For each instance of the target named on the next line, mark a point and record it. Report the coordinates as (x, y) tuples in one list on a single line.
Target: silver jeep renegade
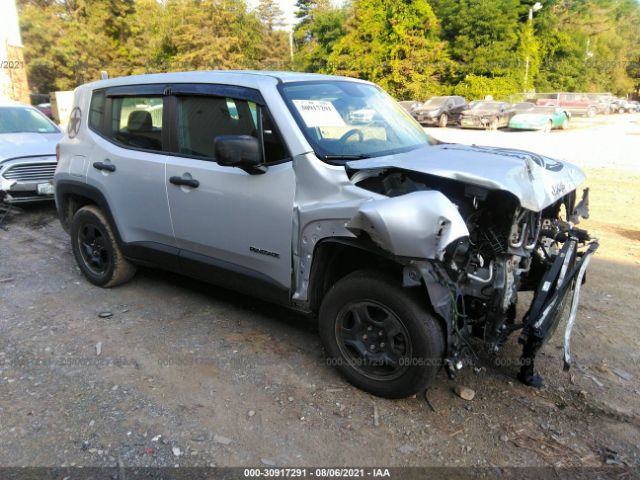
[(322, 194)]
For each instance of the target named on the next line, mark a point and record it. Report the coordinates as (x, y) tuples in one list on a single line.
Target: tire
[(96, 250), (493, 125), (548, 127), (565, 124), (591, 112), (413, 336), (443, 120)]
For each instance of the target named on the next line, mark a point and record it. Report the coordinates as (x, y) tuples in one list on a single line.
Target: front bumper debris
[(565, 275)]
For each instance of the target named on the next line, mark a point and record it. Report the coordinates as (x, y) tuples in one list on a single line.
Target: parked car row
[(542, 111), (443, 111)]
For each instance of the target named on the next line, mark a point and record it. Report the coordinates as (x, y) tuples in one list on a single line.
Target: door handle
[(187, 182), (109, 167)]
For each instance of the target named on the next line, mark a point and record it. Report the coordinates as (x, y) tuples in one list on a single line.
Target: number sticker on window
[(318, 113)]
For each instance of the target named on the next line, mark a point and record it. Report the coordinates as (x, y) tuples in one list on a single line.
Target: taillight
[(57, 152)]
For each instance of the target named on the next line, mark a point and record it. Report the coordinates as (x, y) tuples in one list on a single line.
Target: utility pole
[(536, 7), (291, 43)]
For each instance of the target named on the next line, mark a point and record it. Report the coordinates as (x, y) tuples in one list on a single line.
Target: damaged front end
[(476, 241)]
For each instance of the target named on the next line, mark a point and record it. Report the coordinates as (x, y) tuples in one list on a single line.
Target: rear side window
[(137, 122), (203, 118), (96, 111)]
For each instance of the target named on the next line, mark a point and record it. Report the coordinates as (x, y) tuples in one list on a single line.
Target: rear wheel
[(591, 112), (443, 120), (379, 335), (547, 128), (96, 249), (565, 124), (493, 125)]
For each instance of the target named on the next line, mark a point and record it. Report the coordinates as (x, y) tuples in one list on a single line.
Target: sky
[(289, 8)]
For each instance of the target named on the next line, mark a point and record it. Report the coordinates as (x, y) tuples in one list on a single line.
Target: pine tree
[(270, 14)]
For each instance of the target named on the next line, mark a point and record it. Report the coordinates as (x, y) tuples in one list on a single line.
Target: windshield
[(349, 120), (485, 106), (24, 120), (435, 102)]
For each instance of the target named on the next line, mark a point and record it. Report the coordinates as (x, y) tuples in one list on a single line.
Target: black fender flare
[(67, 188), (321, 263)]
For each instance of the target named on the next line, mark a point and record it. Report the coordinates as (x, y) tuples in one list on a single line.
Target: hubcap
[(373, 340), (91, 240)]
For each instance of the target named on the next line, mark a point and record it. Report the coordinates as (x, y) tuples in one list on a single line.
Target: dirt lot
[(190, 374)]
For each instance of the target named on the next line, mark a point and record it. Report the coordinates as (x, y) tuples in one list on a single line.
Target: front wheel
[(443, 120), (379, 335)]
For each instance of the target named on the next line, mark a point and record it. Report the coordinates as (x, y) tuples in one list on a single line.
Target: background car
[(487, 114), (573, 102), (410, 105), (440, 111), (362, 116), (46, 109), (540, 118), (28, 142)]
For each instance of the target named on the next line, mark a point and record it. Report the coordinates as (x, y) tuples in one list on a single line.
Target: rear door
[(127, 163), (232, 227)]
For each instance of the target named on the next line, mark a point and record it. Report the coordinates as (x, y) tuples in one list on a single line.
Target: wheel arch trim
[(65, 189)]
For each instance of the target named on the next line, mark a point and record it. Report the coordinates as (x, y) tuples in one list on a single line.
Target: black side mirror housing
[(242, 151)]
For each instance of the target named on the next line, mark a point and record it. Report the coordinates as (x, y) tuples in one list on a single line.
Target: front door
[(232, 227)]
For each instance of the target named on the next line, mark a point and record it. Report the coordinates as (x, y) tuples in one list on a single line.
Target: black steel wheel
[(381, 336), (373, 339), (96, 250), (95, 255)]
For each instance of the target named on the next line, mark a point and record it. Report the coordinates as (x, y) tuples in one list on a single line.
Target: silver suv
[(405, 248)]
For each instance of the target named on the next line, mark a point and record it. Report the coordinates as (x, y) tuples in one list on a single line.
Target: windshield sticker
[(318, 113)]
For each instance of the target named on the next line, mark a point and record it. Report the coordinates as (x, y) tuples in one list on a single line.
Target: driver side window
[(203, 118)]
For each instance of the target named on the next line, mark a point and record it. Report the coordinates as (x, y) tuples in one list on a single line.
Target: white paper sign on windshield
[(318, 113)]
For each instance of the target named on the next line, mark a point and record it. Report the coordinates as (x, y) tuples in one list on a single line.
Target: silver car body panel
[(416, 225), (536, 181)]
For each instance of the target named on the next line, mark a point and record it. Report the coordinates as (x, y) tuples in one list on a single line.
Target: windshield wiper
[(345, 157)]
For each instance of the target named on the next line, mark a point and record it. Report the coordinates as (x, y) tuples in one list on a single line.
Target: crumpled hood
[(15, 145), (537, 181)]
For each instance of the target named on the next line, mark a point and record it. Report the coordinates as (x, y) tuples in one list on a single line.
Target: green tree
[(270, 14), (315, 40), (392, 43)]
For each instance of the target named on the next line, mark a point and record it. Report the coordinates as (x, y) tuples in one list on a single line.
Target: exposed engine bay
[(474, 276)]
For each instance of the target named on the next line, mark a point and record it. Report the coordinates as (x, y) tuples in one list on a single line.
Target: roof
[(245, 78)]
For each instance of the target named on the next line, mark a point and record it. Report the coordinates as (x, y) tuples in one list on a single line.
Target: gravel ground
[(168, 371)]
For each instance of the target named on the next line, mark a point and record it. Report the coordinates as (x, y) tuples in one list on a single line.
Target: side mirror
[(242, 151)]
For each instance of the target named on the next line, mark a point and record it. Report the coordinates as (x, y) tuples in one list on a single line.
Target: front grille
[(31, 172)]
